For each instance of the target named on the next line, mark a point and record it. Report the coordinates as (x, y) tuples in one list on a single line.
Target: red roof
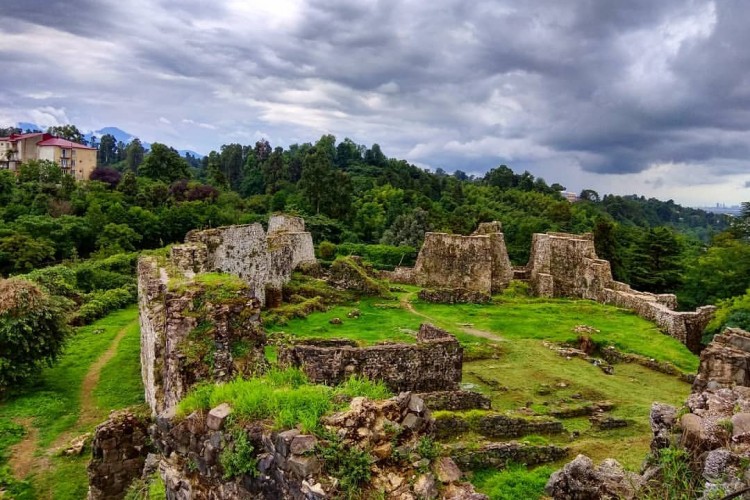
[(63, 143), (17, 137)]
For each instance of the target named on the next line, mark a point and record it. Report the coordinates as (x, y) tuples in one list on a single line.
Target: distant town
[(721, 208)]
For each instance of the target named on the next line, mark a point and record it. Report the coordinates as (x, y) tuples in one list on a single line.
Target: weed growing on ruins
[(427, 448), (357, 385), (239, 458), (677, 482), (152, 488), (512, 483), (349, 464)]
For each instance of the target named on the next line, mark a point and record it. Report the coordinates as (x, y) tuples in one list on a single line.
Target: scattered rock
[(77, 445), (580, 480), (446, 470), (335, 321), (354, 313), (425, 487)]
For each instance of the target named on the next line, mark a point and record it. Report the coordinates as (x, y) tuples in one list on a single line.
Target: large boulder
[(580, 480)]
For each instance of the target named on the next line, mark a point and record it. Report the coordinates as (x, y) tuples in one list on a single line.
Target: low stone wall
[(454, 296), (499, 455), (288, 463), (456, 400), (432, 364), (192, 334), (494, 425), (119, 451)]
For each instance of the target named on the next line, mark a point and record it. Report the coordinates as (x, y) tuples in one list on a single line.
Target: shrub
[(239, 459), (99, 304), (380, 256), (327, 250), (349, 464), (32, 330)]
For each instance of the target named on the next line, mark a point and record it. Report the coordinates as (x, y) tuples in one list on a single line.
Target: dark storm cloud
[(82, 17), (561, 88)]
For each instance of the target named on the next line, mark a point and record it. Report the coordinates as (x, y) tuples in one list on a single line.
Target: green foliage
[(349, 464), (380, 256), (721, 272), (678, 481), (428, 448), (326, 250), (164, 164), (239, 458), (100, 303), (734, 312), (152, 488), (32, 331)]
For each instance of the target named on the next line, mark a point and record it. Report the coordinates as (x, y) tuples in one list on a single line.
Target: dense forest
[(354, 200)]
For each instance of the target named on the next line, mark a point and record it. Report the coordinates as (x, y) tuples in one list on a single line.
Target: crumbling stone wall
[(725, 362), (432, 364), (566, 265), (119, 451), (288, 463), (478, 262), (495, 425), (264, 260), (193, 333)]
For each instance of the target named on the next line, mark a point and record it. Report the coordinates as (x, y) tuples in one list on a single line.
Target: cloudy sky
[(643, 96)]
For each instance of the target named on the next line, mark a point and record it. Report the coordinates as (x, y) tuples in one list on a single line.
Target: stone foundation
[(432, 364), (499, 455), (495, 425), (456, 400)]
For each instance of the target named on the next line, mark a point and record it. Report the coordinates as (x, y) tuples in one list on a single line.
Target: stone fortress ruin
[(197, 325), (560, 265)]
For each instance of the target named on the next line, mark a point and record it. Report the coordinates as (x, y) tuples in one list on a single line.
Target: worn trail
[(406, 304)]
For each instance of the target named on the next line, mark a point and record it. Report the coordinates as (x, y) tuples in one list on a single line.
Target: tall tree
[(107, 153), (164, 163), (134, 154), (69, 132)]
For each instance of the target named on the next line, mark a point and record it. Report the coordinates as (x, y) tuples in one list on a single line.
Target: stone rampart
[(566, 265), (191, 332), (432, 364)]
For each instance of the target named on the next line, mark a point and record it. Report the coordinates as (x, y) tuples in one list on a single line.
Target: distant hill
[(119, 135)]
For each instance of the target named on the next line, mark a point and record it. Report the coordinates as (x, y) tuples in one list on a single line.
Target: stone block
[(303, 444), (284, 441), (303, 466), (218, 416)]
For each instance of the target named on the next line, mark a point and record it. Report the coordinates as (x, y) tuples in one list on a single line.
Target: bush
[(99, 304), (327, 250), (380, 256), (32, 330)]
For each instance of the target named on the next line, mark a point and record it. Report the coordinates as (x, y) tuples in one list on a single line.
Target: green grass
[(512, 483), (554, 320), (120, 382), (284, 396), (381, 320), (52, 402)]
